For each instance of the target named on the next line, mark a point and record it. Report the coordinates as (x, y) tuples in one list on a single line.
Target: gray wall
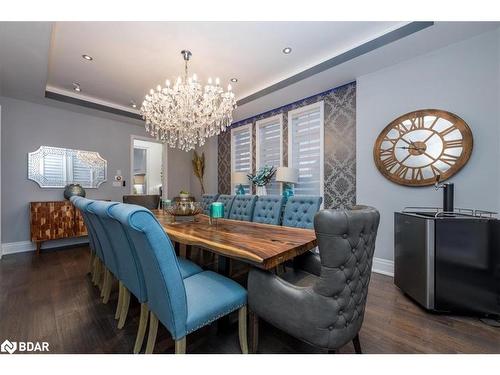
[(462, 78), (27, 126)]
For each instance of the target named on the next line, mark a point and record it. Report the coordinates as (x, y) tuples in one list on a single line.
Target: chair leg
[(357, 344), (141, 331), (102, 271), (94, 270), (97, 271), (254, 331), (153, 330), (125, 306), (91, 262), (120, 301), (242, 329), (108, 284), (180, 346)]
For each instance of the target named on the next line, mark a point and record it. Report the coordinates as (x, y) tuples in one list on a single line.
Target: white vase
[(261, 190)]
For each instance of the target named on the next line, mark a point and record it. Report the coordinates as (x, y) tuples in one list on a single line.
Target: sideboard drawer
[(55, 220)]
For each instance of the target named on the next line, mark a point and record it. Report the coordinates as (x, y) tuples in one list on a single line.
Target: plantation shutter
[(306, 128), (269, 145), (242, 153)]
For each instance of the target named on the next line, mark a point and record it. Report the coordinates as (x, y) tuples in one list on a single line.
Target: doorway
[(146, 166)]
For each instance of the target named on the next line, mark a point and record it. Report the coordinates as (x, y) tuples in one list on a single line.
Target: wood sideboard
[(55, 220)]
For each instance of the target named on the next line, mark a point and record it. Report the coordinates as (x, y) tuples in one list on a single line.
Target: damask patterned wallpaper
[(340, 144)]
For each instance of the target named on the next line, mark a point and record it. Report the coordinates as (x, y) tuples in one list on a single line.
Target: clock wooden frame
[(417, 178)]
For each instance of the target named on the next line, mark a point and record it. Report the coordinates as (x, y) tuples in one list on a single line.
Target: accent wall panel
[(339, 140)]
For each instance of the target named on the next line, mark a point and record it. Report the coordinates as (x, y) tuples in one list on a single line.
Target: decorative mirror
[(418, 146), (55, 167)]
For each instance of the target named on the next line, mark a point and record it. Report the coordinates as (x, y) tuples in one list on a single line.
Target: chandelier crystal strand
[(185, 114)]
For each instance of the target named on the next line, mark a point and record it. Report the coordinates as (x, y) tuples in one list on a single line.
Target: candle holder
[(216, 212)]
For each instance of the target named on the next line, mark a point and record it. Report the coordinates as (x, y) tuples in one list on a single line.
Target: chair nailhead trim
[(215, 318)]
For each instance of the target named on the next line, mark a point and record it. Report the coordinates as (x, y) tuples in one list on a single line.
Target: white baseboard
[(383, 266), (24, 246)]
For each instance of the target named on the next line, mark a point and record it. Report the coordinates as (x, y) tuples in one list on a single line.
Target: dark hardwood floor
[(50, 298)]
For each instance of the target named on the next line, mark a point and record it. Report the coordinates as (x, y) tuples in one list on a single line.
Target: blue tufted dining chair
[(90, 235), (207, 200), (131, 278), (300, 210), (98, 261), (268, 209), (243, 207), (111, 261), (182, 305), (227, 201)]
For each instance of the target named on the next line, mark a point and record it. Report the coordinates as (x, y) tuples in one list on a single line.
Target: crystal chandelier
[(185, 114)]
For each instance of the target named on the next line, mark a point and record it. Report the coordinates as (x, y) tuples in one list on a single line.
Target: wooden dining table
[(261, 245)]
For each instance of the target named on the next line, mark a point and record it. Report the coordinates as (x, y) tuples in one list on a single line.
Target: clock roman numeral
[(389, 162), (417, 123), (447, 131), (435, 171), (434, 122), (449, 159), (401, 129), (390, 140), (452, 144), (386, 152), (416, 174), (401, 171)]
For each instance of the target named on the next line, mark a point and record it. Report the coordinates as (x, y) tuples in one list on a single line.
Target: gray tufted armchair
[(322, 300)]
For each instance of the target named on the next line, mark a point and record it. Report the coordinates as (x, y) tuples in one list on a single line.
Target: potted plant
[(184, 194)]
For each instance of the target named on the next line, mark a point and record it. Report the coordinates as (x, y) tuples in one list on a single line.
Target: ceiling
[(132, 57)]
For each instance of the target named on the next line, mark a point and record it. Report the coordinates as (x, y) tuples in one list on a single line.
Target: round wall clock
[(418, 146)]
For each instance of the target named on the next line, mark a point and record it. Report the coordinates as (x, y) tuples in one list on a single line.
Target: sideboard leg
[(38, 247)]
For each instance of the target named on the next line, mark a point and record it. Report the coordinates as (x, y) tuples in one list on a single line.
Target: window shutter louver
[(242, 153), (306, 129), (269, 148)]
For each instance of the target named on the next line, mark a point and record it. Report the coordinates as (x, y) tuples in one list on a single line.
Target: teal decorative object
[(241, 190), (73, 189), (217, 210), (287, 191)]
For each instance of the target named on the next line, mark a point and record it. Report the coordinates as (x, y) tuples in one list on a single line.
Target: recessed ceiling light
[(76, 87), (287, 50), (132, 104), (234, 79), (88, 57)]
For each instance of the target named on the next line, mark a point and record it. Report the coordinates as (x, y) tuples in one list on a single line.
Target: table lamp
[(288, 176), (241, 179)]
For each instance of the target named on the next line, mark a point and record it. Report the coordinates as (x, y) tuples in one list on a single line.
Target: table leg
[(223, 265), (223, 268), (183, 250), (176, 247)]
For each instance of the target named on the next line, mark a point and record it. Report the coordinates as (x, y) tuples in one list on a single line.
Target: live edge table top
[(261, 245)]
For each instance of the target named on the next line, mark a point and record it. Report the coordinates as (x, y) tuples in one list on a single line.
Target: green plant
[(184, 192), (263, 175)]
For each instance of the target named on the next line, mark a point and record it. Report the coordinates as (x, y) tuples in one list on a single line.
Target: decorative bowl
[(184, 208), (73, 189)]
